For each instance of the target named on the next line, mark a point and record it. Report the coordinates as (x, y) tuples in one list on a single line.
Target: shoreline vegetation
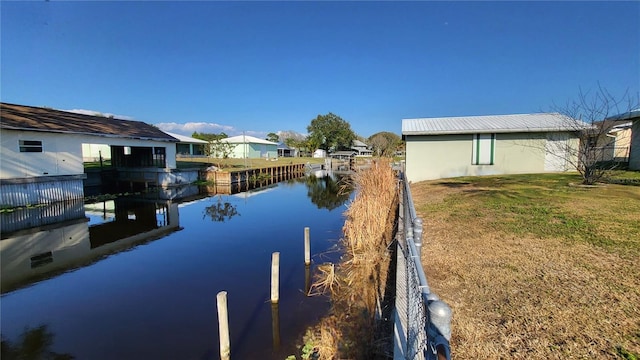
[(356, 283), (534, 266)]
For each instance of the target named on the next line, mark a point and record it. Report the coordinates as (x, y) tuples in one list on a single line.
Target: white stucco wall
[(61, 153), (254, 151), (431, 157), (634, 153)]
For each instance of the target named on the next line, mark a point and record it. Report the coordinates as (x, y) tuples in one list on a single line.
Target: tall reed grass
[(357, 283)]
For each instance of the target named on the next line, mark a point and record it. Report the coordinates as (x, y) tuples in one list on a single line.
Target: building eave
[(172, 140), (489, 131)]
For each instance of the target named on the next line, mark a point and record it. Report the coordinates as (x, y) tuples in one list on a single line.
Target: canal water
[(136, 277)]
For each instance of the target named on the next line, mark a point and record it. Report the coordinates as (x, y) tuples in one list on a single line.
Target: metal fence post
[(440, 314), (426, 321), (417, 234)]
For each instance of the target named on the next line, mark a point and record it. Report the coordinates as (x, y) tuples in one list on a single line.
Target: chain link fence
[(423, 321)]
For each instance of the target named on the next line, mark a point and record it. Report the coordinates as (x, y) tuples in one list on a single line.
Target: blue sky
[(259, 67)]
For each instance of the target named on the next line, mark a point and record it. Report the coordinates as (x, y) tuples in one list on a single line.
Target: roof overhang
[(172, 140), (491, 131)]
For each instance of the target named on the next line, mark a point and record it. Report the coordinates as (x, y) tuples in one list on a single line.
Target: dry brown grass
[(533, 267), (355, 283)]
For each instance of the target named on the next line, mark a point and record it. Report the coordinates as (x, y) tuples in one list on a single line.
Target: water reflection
[(32, 344), (41, 242), (326, 191), (220, 211), (40, 252), (157, 300)]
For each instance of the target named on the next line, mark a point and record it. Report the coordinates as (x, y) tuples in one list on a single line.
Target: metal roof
[(540, 122), (30, 118), (283, 146), (635, 113), (186, 139), (242, 139)]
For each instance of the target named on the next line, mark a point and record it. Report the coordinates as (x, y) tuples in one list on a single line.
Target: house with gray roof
[(448, 147), (251, 147), (631, 118), (42, 151), (361, 148)]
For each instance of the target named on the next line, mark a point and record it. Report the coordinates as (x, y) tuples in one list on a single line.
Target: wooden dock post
[(275, 326), (307, 279), (275, 277), (307, 247), (223, 326)]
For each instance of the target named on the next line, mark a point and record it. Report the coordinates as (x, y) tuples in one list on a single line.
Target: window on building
[(30, 146), (159, 157), (483, 150)]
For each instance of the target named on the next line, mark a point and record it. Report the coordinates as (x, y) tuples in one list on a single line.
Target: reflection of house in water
[(41, 249), (42, 242), (253, 192)]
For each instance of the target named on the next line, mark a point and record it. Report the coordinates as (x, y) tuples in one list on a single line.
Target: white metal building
[(245, 146), (488, 145)]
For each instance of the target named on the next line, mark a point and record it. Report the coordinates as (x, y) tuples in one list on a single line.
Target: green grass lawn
[(535, 266), (553, 206)]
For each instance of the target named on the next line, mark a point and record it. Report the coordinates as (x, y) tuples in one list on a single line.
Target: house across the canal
[(188, 146), (42, 152), (633, 119), (250, 147)]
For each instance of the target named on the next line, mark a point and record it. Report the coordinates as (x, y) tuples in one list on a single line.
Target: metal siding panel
[(41, 192), (490, 123)]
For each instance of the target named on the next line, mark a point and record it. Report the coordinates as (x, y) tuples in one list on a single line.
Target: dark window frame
[(30, 146)]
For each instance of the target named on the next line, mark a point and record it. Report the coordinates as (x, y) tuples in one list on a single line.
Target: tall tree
[(209, 136), (384, 143), (273, 137), (290, 137), (293, 140), (330, 132), (214, 148)]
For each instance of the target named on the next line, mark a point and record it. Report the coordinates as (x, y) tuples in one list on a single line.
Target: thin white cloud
[(191, 127), (94, 113)]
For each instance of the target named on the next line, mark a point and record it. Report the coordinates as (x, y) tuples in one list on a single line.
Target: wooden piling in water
[(275, 326), (275, 277), (307, 247), (307, 279), (223, 326)]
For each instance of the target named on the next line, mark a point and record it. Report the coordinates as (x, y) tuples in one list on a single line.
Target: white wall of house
[(254, 151), (634, 154), (431, 157), (61, 153), (319, 153), (240, 151)]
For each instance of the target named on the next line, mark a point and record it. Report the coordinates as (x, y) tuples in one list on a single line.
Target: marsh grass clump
[(357, 283)]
